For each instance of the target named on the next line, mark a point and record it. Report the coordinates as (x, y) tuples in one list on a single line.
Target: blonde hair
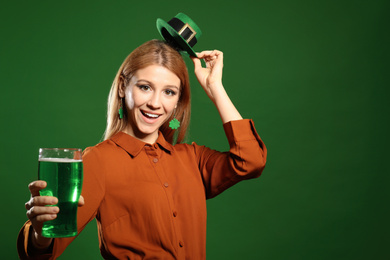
[(153, 52)]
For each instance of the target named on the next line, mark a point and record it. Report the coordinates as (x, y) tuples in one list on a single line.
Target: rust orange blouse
[(150, 200)]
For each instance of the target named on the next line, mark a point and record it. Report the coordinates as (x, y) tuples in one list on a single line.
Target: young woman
[(148, 194)]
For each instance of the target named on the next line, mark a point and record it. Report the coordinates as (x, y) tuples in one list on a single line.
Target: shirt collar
[(134, 146)]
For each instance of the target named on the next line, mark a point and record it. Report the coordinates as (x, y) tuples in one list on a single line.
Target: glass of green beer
[(62, 169)]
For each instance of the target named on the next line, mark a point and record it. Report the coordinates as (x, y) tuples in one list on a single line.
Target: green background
[(313, 75)]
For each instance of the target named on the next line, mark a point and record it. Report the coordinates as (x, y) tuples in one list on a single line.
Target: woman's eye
[(144, 87), (170, 92)]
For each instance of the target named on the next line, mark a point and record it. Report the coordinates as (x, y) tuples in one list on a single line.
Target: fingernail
[(54, 201), (53, 216), (55, 209)]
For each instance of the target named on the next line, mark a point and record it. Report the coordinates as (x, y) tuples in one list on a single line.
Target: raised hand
[(210, 77)]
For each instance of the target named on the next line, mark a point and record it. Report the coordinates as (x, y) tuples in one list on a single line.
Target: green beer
[(64, 179)]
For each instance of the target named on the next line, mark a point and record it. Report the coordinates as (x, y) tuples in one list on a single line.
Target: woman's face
[(150, 98)]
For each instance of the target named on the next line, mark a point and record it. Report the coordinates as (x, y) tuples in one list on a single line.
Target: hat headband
[(184, 30)]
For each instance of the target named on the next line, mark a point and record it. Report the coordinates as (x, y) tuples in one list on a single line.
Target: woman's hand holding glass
[(38, 212)]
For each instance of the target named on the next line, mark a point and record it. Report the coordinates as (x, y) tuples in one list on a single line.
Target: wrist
[(219, 94), (224, 105), (36, 247), (39, 242)]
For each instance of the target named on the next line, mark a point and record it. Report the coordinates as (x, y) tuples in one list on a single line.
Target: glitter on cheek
[(129, 98)]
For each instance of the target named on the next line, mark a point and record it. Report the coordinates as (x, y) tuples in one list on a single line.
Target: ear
[(121, 90)]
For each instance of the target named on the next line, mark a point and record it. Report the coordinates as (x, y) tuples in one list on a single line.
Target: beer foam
[(59, 160)]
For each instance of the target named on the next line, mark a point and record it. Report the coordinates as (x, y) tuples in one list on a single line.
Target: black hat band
[(184, 30)]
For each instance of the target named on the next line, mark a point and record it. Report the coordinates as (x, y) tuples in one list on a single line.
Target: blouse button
[(175, 213), (155, 160), (181, 244), (166, 184)]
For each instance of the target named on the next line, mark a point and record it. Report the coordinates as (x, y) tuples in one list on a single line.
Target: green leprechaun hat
[(181, 31)]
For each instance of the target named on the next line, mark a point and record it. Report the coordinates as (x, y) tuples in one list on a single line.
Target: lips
[(149, 115)]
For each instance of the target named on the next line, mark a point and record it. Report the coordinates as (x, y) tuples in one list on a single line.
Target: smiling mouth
[(149, 115)]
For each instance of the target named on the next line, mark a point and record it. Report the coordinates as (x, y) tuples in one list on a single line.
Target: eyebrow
[(150, 83)]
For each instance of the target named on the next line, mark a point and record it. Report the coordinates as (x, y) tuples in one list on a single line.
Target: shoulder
[(100, 150), (193, 148), (185, 146)]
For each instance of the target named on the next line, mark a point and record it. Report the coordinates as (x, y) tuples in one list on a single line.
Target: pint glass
[(62, 169)]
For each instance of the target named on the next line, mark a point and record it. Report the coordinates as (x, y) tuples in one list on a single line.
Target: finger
[(219, 54), (209, 54), (209, 63), (42, 218), (36, 211), (217, 58), (81, 201), (40, 201), (211, 58), (36, 186), (215, 55), (197, 63), (204, 54)]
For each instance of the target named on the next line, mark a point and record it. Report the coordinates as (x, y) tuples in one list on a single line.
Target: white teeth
[(151, 115)]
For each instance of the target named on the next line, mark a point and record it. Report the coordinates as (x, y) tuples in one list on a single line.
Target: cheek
[(129, 98), (171, 104)]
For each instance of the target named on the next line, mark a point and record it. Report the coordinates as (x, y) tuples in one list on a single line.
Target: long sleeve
[(92, 191), (246, 158)]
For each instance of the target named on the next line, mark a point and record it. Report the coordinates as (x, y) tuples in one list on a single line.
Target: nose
[(154, 101)]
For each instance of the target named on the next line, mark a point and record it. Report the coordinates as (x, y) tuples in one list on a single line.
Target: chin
[(148, 130)]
